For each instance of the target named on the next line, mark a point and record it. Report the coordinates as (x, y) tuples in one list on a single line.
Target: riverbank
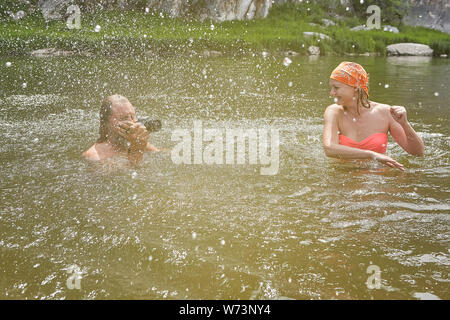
[(136, 32)]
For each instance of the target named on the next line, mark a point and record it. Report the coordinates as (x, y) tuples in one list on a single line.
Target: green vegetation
[(135, 31)]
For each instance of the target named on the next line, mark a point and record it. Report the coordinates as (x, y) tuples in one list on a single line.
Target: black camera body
[(150, 124)]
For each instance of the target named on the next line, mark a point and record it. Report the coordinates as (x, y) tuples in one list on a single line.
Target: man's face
[(121, 112)]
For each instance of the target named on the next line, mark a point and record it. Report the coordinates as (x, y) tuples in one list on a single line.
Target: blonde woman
[(357, 128)]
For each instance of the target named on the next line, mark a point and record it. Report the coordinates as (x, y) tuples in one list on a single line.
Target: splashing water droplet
[(386, 86), (8, 64), (222, 242), (287, 62), (97, 28)]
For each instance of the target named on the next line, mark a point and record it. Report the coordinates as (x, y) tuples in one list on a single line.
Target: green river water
[(208, 231)]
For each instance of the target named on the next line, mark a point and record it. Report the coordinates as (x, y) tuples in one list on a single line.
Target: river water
[(314, 230)]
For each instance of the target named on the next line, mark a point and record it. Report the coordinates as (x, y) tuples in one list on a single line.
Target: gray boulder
[(433, 14), (366, 28), (290, 53), (218, 10), (211, 53), (328, 22), (360, 28), (53, 9), (390, 29), (316, 34), (51, 52), (313, 50), (409, 49)]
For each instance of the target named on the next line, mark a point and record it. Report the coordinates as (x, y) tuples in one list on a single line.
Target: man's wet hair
[(105, 115)]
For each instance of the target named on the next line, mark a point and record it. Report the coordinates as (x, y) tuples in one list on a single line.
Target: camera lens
[(150, 124)]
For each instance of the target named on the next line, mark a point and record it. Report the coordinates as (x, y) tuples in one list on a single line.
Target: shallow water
[(218, 231)]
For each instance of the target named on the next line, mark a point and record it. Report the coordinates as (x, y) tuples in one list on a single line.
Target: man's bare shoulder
[(92, 154)]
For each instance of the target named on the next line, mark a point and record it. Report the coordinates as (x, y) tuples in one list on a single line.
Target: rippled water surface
[(218, 231)]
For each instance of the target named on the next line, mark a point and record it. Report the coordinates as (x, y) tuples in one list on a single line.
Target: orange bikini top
[(376, 142)]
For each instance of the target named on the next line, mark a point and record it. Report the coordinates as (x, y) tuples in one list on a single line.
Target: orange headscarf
[(352, 74)]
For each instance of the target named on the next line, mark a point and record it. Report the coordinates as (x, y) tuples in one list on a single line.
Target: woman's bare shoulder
[(334, 109), (382, 107)]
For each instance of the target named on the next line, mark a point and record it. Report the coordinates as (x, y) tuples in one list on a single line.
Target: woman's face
[(344, 93)]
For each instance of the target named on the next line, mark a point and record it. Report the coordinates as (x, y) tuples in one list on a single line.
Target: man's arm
[(151, 148)]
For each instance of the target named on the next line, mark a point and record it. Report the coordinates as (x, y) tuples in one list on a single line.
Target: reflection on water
[(217, 231)]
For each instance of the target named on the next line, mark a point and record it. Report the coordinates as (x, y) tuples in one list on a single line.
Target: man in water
[(120, 134)]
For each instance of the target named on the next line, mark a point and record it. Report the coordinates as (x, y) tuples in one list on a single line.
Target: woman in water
[(356, 128)]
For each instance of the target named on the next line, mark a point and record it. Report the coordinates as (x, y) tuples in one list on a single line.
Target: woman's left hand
[(399, 114)]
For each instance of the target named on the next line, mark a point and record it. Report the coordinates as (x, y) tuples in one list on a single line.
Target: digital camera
[(150, 124)]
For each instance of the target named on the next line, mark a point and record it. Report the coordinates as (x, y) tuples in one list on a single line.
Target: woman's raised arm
[(402, 132)]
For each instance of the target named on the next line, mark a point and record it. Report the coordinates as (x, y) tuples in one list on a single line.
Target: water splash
[(287, 62)]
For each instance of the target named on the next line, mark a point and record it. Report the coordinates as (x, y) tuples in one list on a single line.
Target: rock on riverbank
[(409, 49)]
